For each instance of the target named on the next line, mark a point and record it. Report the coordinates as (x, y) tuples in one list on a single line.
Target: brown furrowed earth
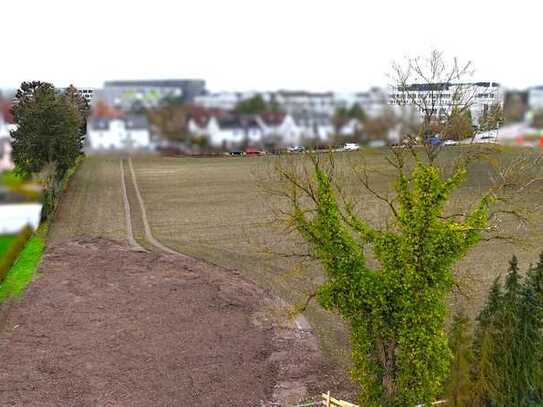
[(214, 208), (107, 326)]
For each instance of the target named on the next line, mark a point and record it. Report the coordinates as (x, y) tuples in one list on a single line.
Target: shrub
[(508, 345), (396, 309)]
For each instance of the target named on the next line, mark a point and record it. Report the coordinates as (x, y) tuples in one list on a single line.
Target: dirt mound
[(106, 326)]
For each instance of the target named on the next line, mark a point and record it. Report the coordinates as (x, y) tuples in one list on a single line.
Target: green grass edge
[(24, 268), (26, 265)]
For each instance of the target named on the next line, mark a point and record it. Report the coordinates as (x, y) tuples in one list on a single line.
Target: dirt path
[(109, 324)]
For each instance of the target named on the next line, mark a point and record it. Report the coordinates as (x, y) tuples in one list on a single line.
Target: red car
[(253, 151)]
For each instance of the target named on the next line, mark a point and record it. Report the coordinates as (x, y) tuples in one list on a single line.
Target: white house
[(125, 133), (314, 126), (229, 130)]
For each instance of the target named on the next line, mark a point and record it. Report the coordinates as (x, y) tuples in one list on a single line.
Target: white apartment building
[(221, 100), (439, 99), (302, 102), (373, 102), (291, 102)]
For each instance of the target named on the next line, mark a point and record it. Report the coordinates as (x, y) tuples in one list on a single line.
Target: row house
[(226, 129)]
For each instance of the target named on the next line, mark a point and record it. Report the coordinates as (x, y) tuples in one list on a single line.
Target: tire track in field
[(300, 321), (146, 226), (128, 215)]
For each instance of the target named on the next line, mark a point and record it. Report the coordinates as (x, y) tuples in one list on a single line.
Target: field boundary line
[(147, 228), (128, 214)]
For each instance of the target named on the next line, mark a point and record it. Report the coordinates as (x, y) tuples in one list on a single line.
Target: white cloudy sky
[(252, 44)]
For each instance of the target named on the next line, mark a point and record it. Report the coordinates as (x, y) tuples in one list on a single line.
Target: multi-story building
[(373, 102), (149, 93), (439, 99), (302, 102), (222, 100)]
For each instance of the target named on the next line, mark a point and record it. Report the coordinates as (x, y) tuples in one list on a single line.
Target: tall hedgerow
[(508, 370)]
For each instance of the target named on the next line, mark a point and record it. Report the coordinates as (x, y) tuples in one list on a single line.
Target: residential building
[(222, 100), (281, 128), (439, 99), (302, 102), (314, 125), (130, 132), (374, 102), (228, 130), (126, 94)]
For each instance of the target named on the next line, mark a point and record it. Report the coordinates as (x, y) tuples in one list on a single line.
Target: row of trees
[(500, 362), (49, 138)]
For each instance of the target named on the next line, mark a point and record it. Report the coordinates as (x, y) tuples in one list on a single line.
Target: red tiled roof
[(5, 111), (273, 118)]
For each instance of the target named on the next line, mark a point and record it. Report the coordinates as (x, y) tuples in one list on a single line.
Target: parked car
[(296, 149), (450, 142), (236, 152), (487, 138), (351, 147), (253, 151), (435, 141)]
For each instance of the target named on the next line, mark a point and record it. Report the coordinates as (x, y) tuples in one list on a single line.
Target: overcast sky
[(340, 45)]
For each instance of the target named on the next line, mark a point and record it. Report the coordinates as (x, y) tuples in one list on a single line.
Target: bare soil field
[(211, 208), (107, 326), (93, 204), (215, 210), (104, 324)]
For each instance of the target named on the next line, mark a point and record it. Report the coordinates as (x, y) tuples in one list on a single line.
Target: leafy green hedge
[(24, 267), (13, 251)]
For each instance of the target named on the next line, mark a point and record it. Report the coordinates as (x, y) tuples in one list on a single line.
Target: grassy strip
[(5, 242), (26, 264), (13, 251), (24, 268)]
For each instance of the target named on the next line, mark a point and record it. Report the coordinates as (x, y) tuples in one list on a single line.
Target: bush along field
[(499, 361)]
